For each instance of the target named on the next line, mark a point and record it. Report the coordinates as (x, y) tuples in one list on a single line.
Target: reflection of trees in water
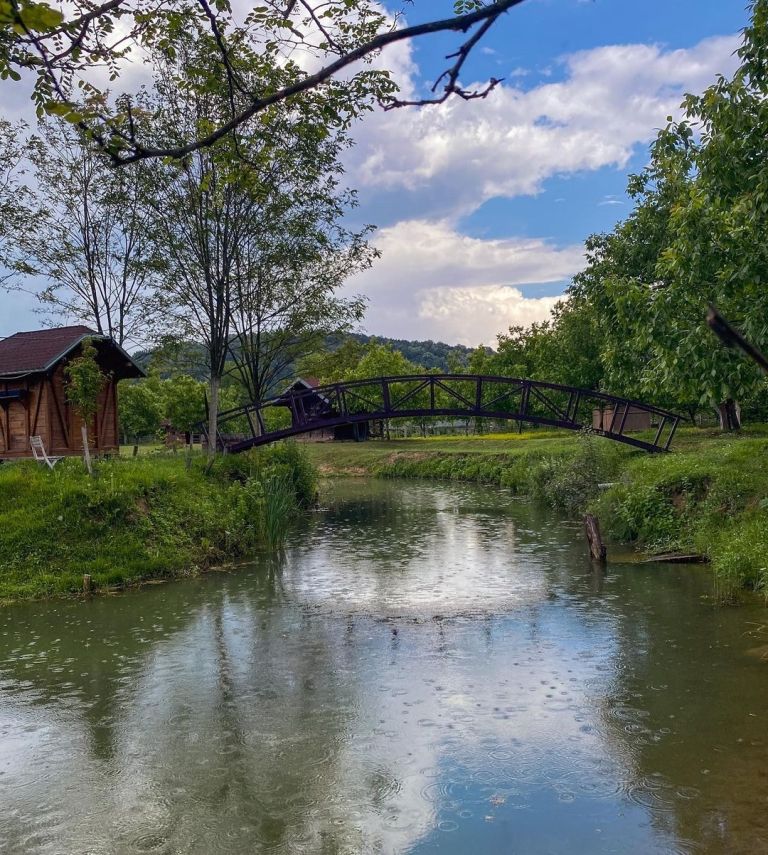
[(273, 722), (86, 652), (690, 711)]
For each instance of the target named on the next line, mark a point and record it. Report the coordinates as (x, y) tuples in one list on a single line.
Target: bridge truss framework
[(448, 395)]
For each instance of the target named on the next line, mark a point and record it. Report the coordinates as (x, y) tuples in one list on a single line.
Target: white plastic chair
[(40, 454)]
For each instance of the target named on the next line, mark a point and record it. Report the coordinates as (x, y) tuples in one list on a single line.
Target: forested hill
[(189, 358), (429, 354)]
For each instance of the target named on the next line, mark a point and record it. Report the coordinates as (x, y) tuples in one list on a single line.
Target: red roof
[(39, 350)]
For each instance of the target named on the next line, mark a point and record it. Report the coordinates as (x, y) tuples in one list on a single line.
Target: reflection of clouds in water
[(356, 728), (457, 739), (247, 720), (326, 726), (427, 555)]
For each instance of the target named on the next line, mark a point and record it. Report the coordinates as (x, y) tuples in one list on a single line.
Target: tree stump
[(596, 546)]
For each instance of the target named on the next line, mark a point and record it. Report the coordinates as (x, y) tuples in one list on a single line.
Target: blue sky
[(482, 208), (534, 169)]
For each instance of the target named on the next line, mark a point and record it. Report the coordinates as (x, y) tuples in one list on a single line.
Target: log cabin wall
[(44, 411), (21, 418)]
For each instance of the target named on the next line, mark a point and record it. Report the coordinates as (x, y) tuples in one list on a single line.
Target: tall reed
[(279, 507)]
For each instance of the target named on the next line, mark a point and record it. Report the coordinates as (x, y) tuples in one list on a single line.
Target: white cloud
[(425, 169), (463, 153), (432, 282), (475, 314)]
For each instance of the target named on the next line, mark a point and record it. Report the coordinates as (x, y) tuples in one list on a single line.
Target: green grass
[(366, 457), (709, 496), (138, 519)]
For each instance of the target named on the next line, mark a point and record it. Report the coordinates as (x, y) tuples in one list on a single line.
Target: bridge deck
[(451, 395)]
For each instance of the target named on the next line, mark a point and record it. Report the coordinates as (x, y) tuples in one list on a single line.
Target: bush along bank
[(566, 474), (142, 518), (710, 498)]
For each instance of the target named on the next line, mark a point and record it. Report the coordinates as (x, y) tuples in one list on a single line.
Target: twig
[(452, 76)]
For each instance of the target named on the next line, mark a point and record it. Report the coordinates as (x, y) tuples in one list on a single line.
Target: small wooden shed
[(310, 404), (33, 395), (313, 404), (635, 419)]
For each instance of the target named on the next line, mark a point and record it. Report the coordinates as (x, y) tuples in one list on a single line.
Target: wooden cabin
[(310, 405), (313, 404), (33, 393)]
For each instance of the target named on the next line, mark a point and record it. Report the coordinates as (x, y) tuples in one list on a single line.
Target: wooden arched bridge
[(303, 410)]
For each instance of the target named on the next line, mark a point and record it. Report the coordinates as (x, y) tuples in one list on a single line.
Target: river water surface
[(428, 668)]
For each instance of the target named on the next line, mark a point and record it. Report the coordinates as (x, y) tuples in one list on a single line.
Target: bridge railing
[(453, 395)]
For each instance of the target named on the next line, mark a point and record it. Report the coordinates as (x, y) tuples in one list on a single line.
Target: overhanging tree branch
[(116, 133), (731, 337), (487, 16)]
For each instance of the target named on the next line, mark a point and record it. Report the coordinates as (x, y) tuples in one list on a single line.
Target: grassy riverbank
[(709, 496), (141, 519)]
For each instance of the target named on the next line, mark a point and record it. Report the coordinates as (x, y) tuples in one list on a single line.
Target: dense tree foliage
[(338, 356), (141, 409), (695, 237), (176, 403)]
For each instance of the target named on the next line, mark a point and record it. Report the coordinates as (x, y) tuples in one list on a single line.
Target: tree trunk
[(729, 414), (86, 448), (213, 418)]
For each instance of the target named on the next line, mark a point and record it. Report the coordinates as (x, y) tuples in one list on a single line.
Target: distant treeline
[(189, 358)]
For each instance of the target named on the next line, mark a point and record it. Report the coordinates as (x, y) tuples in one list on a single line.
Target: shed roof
[(38, 351), (303, 384)]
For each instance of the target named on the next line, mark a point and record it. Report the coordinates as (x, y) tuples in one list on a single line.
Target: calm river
[(428, 668)]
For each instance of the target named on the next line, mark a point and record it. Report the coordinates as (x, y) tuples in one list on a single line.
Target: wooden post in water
[(596, 546), (86, 583)]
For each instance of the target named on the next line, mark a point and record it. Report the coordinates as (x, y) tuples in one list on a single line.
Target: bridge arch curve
[(449, 395)]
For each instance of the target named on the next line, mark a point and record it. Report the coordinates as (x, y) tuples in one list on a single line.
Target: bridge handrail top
[(341, 385)]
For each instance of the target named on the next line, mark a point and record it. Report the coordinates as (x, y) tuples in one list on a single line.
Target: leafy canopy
[(696, 236)]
